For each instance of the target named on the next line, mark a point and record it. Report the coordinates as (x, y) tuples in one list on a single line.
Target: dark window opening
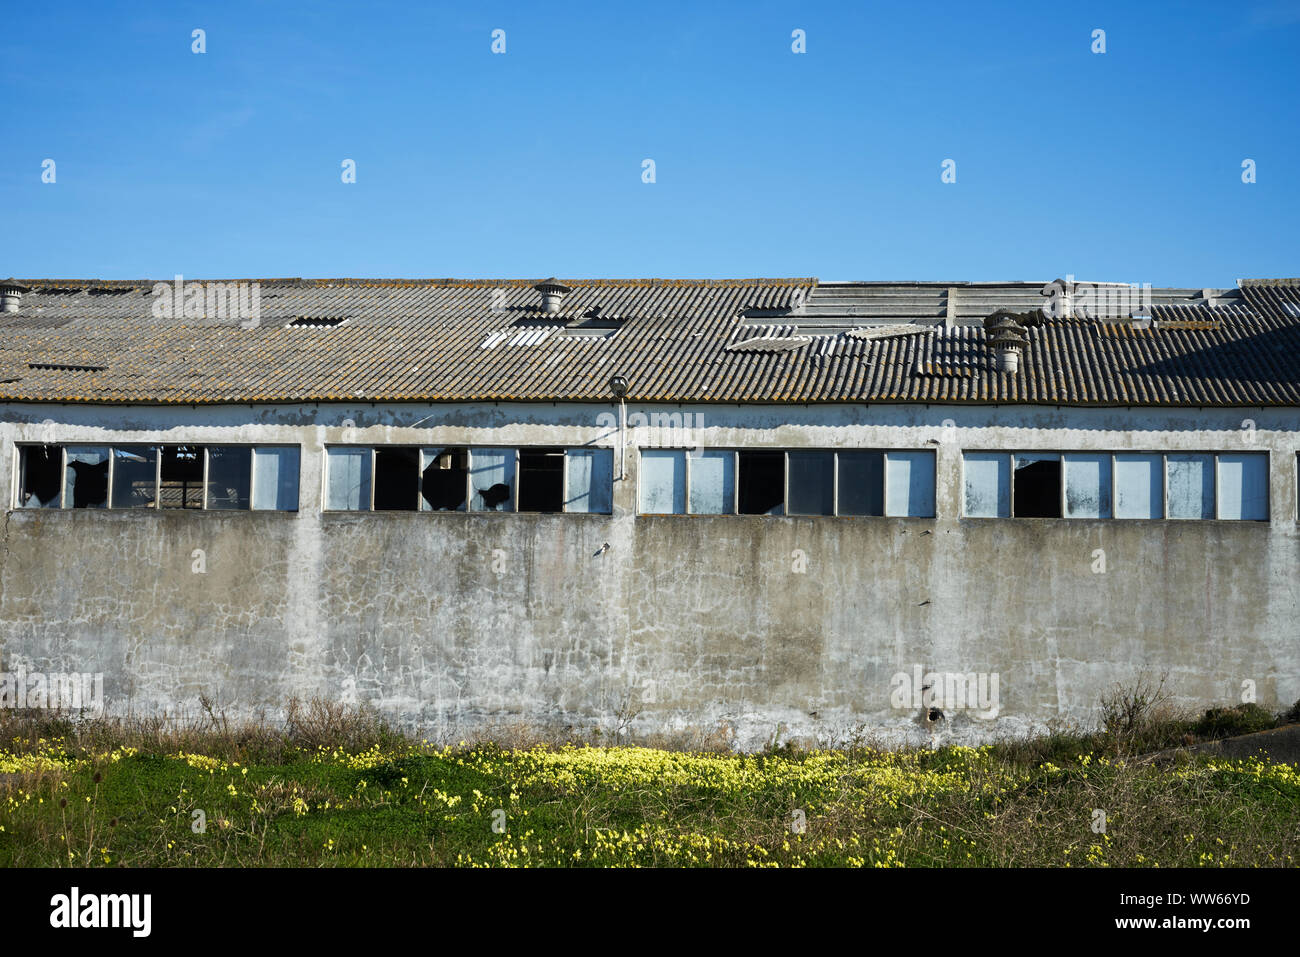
[(229, 471), (444, 480), (862, 483), (541, 480), (397, 480), (812, 483), (87, 478), (182, 477), (41, 471), (762, 483), (1037, 488)]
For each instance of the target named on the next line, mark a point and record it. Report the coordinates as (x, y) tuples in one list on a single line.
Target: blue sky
[(1122, 166)]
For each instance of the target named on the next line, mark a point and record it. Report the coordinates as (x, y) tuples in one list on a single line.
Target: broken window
[(229, 475), (590, 481), (1036, 486), (397, 480), (909, 484), (541, 480), (171, 476), (1190, 483), (862, 483), (987, 485), (812, 483), (275, 478), (444, 480), (1139, 486), (41, 476), (86, 477), (1087, 485), (182, 477), (492, 479), (135, 476), (663, 481), (762, 483), (348, 478), (713, 483), (1243, 486)]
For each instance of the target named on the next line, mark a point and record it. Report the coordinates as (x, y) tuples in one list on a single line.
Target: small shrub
[(1140, 718), (1293, 714), (1228, 722)]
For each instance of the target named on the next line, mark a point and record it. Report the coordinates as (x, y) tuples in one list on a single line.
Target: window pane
[(812, 483), (1139, 487), (135, 476), (1087, 486), (492, 474), (713, 483), (229, 469), (762, 483), (1036, 486), (182, 477), (444, 479), (86, 480), (591, 481), (1191, 485), (541, 480), (1243, 486), (909, 484), (275, 474), (348, 472), (663, 482), (862, 483), (40, 466), (987, 485)]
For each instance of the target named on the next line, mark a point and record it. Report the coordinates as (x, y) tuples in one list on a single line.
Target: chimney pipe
[(552, 291), (11, 294), (1007, 336)]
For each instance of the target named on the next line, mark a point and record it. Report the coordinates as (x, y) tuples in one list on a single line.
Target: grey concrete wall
[(758, 625)]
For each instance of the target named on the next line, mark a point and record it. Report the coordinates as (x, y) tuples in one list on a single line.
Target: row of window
[(1122, 485), (397, 478), (736, 482), (218, 477)]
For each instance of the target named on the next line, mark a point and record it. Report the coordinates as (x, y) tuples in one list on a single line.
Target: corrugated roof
[(742, 340)]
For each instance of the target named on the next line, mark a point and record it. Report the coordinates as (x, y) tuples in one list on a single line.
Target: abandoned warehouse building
[(770, 507)]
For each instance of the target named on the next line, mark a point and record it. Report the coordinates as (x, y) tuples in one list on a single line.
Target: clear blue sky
[(1122, 166)]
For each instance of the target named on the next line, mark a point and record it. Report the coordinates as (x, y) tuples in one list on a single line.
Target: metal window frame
[(470, 449), (1163, 457), (785, 453), (1268, 486), (835, 458), (686, 479)]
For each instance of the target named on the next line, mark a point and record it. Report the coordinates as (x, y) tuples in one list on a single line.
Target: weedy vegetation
[(332, 786)]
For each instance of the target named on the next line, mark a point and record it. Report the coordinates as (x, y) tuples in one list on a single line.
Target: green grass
[(342, 790)]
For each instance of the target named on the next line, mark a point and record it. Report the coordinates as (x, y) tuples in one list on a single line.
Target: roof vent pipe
[(11, 294), (552, 291), (1008, 337)]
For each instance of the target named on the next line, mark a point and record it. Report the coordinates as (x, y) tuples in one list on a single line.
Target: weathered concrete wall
[(457, 622)]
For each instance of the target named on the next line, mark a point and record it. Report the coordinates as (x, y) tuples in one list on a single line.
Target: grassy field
[(339, 789)]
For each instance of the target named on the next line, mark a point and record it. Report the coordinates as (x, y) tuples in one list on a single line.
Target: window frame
[(158, 446), (421, 449), (785, 453), (1162, 454)]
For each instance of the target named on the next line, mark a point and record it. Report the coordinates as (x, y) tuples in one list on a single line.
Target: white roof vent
[(11, 294), (552, 291)]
